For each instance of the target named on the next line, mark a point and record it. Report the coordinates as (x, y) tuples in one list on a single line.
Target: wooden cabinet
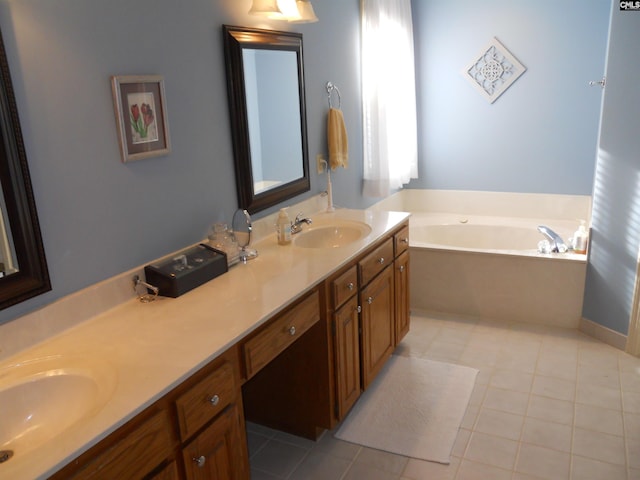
[(401, 282), (196, 431), (369, 325), (212, 454)]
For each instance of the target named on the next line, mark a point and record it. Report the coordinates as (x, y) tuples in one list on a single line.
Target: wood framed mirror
[(265, 83), (23, 268)]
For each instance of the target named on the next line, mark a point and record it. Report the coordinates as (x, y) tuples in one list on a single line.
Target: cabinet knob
[(292, 330), (370, 300), (405, 240), (200, 461), (401, 268), (359, 309), (350, 286), (214, 400), (381, 260)]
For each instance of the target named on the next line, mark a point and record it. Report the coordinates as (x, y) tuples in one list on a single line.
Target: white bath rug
[(413, 408)]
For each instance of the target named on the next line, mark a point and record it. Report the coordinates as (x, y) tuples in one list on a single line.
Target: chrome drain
[(5, 455)]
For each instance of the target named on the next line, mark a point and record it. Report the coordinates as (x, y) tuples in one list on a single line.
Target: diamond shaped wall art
[(493, 71)]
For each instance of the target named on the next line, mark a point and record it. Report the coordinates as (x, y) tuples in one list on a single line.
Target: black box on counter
[(186, 270)]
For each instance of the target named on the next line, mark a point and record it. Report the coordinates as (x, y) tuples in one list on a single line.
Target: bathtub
[(477, 256)]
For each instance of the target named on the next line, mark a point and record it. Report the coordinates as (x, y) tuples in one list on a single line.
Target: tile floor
[(548, 403)]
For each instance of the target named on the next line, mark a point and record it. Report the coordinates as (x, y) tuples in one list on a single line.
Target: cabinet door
[(378, 325), (347, 347), (401, 285), (215, 453)]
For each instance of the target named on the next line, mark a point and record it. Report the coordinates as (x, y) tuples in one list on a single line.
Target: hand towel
[(337, 139)]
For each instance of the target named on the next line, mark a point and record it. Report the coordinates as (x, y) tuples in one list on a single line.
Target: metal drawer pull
[(350, 286), (405, 240), (370, 300), (381, 261), (200, 461), (401, 268), (359, 309), (215, 400), (292, 330)]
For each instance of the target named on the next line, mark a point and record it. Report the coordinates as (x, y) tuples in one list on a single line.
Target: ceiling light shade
[(289, 10), (266, 8), (307, 15)]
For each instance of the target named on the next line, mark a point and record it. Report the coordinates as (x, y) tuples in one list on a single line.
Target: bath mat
[(413, 408)]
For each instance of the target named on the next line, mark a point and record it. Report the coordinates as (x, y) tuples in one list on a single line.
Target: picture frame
[(141, 116)]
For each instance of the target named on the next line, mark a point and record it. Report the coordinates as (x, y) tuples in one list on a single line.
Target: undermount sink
[(334, 234), (42, 398)]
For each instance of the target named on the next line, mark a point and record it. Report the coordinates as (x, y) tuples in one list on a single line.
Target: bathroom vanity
[(289, 340)]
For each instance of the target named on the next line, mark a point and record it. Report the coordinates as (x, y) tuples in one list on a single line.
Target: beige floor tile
[(631, 402), (599, 396), (491, 450), (547, 434), (336, 447), (599, 419), (421, 470), (278, 458), (501, 424), (319, 465), (589, 469), (470, 470), (599, 446), (606, 377), (558, 366), (511, 380), (552, 387), (631, 424), (388, 462), (460, 445), (633, 452), (360, 471), (598, 355), (630, 381), (506, 400), (551, 409), (543, 462)]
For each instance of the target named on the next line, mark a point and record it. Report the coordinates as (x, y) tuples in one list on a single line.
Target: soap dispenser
[(283, 227), (581, 239)]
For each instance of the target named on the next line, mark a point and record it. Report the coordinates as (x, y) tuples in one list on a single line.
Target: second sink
[(331, 235)]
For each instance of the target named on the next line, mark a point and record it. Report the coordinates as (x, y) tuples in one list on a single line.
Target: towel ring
[(330, 88)]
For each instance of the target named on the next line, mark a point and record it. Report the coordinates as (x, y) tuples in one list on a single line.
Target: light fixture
[(294, 11), (266, 8), (307, 15)]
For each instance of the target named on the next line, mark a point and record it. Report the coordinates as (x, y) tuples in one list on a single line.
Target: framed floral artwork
[(141, 116)]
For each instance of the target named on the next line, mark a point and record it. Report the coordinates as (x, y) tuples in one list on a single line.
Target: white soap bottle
[(581, 239), (283, 227)]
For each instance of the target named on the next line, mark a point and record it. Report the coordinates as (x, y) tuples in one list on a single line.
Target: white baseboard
[(602, 333)]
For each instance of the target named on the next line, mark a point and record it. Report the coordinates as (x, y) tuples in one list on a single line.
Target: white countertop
[(149, 348)]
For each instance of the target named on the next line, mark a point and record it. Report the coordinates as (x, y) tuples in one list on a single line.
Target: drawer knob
[(200, 461), (370, 300), (401, 268), (381, 260), (405, 240), (350, 286), (292, 330), (214, 400)]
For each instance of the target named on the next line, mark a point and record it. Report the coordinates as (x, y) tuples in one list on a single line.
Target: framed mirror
[(23, 267), (265, 83)]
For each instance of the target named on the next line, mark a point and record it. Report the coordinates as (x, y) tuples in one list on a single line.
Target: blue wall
[(100, 217), (615, 234), (540, 135)]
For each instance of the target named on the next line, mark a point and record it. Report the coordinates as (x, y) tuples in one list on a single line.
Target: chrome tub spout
[(557, 244)]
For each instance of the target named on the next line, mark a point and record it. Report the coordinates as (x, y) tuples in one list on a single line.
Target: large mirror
[(23, 268), (265, 83)]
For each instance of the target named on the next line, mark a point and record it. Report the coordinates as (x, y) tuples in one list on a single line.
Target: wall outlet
[(321, 164)]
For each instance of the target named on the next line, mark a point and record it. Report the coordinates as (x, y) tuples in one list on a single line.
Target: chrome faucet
[(296, 225), (557, 244)]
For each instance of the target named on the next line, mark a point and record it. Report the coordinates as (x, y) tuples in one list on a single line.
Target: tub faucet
[(296, 225), (557, 244)]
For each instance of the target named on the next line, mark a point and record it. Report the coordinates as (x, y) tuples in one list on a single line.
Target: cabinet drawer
[(279, 333), (373, 263), (344, 287), (401, 240), (205, 399), (138, 453)]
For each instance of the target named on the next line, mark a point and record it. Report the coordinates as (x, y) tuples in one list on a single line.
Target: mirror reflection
[(265, 83)]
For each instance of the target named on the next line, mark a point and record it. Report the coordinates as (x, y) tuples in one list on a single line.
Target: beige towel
[(337, 139)]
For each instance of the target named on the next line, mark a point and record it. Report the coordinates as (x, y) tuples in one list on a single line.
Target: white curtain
[(388, 96)]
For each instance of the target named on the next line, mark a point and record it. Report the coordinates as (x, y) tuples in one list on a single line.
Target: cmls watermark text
[(626, 5)]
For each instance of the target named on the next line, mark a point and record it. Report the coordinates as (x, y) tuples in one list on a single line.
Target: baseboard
[(602, 333)]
